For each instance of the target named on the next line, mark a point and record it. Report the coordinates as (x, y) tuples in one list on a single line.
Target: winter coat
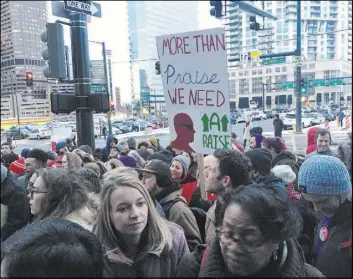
[(197, 201), (246, 131), (188, 185), (210, 226), (334, 260), (159, 263), (278, 126), (181, 214), (211, 264), (311, 146), (106, 149), (344, 153), (287, 158), (14, 200)]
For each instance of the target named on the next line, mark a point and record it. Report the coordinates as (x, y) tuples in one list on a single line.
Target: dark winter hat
[(166, 156), (261, 159), (131, 142), (24, 152), (324, 175), (161, 170), (87, 149), (60, 145), (7, 159), (128, 161), (144, 153), (39, 155)]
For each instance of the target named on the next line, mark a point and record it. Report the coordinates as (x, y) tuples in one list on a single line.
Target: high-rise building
[(117, 98), (97, 71), (22, 22), (326, 48), (147, 20)]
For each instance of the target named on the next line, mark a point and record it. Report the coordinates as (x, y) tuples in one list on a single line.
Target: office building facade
[(326, 50), (22, 22), (146, 21)]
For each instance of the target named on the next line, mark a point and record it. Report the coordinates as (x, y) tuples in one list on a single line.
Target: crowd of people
[(137, 209)]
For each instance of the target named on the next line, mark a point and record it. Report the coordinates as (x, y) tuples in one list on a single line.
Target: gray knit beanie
[(324, 175), (87, 149), (184, 161)]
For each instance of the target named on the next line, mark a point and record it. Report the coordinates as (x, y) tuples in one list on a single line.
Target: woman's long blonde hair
[(158, 231)]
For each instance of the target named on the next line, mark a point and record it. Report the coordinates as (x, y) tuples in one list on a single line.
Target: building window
[(284, 69), (268, 71), (246, 73), (312, 66), (254, 72), (241, 74), (259, 71), (233, 74), (278, 69)]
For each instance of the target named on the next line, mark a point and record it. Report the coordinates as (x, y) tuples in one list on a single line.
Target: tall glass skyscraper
[(147, 20)]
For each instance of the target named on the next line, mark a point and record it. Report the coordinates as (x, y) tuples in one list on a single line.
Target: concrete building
[(146, 21), (21, 51), (326, 50), (117, 98), (97, 71)]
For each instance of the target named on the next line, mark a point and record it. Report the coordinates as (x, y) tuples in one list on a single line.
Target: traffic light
[(303, 85), (253, 24), (29, 79), (158, 68), (54, 53), (216, 8)]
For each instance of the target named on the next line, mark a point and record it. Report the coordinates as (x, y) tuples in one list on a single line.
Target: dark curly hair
[(233, 164), (269, 207), (274, 142), (40, 155)]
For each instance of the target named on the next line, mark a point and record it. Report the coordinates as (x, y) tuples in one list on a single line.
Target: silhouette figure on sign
[(184, 129)]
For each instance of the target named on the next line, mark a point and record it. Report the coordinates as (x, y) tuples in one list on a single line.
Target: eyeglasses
[(248, 245), (32, 191), (190, 127)]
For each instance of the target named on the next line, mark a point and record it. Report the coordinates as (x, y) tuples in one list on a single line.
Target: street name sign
[(195, 83), (85, 7)]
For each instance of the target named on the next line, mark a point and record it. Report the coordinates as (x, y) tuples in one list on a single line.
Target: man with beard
[(323, 140)]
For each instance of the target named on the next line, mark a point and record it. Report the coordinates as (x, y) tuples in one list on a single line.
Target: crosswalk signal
[(216, 8), (54, 53), (158, 68), (29, 79)]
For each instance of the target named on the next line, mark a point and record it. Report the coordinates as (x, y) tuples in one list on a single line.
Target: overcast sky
[(113, 29)]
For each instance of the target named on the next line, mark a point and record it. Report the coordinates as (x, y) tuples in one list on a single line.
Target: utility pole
[(155, 102), (82, 78), (109, 114), (298, 73), (263, 97)]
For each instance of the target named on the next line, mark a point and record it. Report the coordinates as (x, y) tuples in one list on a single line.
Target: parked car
[(41, 133), (116, 131), (317, 119), (269, 114), (135, 125), (17, 134), (289, 120), (307, 120), (241, 119), (256, 116), (123, 128)]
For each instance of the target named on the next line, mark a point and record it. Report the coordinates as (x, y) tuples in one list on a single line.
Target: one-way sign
[(86, 7)]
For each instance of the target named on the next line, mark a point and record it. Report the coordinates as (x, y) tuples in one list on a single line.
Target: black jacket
[(333, 260), (14, 196), (213, 264), (278, 125)]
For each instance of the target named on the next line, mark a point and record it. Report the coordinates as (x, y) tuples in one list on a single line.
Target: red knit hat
[(51, 164), (18, 166)]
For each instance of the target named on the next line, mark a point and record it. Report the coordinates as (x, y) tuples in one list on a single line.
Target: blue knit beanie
[(324, 175)]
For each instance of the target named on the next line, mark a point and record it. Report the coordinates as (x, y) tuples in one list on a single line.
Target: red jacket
[(311, 147), (188, 187)]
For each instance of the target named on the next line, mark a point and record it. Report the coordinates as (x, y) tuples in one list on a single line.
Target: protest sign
[(195, 82)]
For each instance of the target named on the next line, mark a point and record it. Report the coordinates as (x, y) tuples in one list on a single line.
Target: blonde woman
[(137, 241)]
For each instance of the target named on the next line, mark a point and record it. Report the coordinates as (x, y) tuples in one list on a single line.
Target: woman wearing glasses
[(257, 239), (137, 241), (59, 193)]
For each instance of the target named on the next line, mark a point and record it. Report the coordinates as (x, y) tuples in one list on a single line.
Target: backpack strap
[(169, 206)]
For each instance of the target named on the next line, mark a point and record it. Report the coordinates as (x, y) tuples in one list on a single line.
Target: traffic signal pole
[(109, 114), (82, 79), (298, 73)]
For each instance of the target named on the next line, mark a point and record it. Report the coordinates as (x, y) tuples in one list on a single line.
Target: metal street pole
[(298, 73), (109, 114), (82, 78), (263, 97)]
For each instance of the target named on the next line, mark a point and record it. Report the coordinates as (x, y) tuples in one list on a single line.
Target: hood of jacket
[(284, 155), (111, 138), (171, 196), (84, 216), (311, 135)]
